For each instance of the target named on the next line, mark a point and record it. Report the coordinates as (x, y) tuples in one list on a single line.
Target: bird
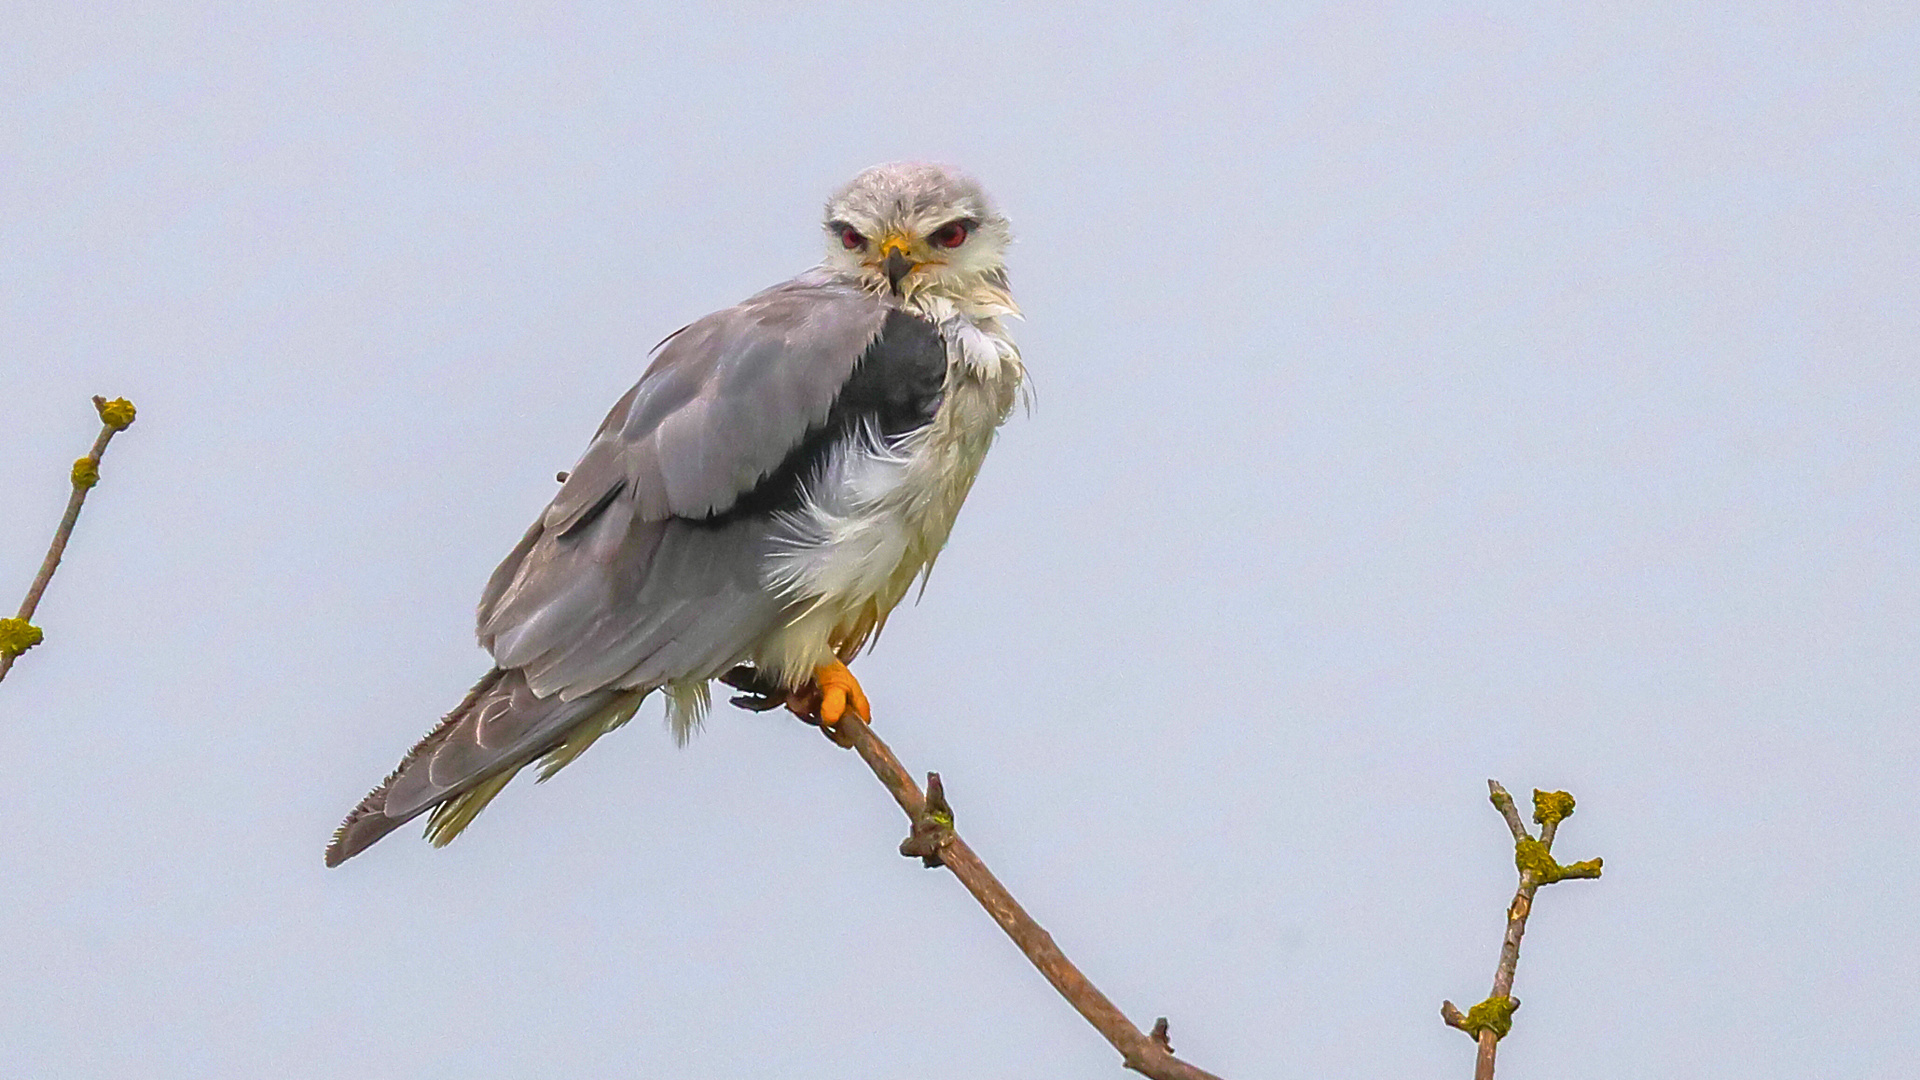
[(751, 511)]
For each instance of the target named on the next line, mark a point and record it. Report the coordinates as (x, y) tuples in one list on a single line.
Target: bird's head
[(907, 227)]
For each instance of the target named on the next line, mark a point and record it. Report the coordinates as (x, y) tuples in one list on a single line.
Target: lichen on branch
[(1531, 856), (1492, 1019), (1551, 807), (18, 634), (117, 414), (1494, 1015)]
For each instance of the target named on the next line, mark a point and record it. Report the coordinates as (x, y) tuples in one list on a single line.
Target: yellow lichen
[(86, 473), (1551, 806), (117, 414), (17, 636), (1532, 857), (1494, 1014)]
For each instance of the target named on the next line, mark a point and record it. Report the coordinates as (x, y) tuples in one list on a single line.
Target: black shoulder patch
[(895, 388)]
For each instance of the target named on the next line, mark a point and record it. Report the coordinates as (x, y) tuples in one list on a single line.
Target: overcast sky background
[(1425, 394)]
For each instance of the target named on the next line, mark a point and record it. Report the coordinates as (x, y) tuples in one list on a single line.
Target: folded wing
[(636, 569)]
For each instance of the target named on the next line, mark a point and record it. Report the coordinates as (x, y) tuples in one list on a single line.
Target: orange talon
[(839, 689)]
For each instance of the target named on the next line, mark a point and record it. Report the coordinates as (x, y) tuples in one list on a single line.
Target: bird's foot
[(824, 702), (840, 691)]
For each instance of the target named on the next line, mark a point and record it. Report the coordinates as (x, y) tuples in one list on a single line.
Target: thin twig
[(934, 841), (18, 634), (1489, 1021)]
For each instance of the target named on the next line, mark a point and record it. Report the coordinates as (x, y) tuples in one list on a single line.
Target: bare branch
[(935, 843), (18, 634), (1489, 1021), (1503, 802)]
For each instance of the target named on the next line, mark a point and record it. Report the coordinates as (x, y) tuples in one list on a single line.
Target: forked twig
[(18, 634), (1489, 1021)]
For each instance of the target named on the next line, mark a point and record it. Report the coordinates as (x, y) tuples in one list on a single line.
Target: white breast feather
[(880, 510)]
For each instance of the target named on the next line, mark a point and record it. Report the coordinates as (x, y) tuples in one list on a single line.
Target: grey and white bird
[(751, 510)]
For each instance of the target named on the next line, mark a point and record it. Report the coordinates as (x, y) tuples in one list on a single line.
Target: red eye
[(950, 235), (851, 238)]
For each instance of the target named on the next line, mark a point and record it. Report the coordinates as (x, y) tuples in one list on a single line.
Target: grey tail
[(468, 757)]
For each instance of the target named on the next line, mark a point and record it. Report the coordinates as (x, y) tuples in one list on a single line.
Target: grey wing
[(634, 573)]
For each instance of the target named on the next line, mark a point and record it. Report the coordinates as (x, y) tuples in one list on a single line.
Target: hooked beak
[(897, 267), (898, 264)]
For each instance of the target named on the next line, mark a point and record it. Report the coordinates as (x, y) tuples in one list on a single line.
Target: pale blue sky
[(1425, 394)]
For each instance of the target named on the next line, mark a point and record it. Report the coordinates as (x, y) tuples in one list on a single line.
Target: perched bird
[(751, 510)]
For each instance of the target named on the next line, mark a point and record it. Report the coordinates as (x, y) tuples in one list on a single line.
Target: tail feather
[(471, 754), (583, 735), (457, 813)]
